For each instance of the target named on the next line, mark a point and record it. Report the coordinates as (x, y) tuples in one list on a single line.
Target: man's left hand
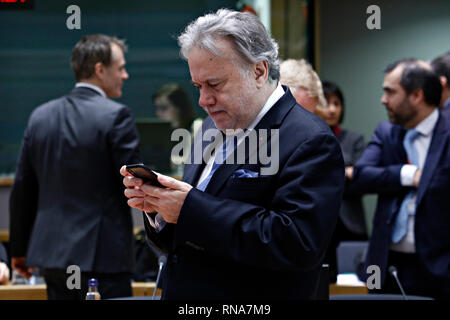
[(167, 202)]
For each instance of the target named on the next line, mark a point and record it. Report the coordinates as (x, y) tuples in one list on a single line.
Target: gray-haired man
[(232, 231)]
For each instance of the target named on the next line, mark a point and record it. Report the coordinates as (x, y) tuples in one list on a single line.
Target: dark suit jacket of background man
[(67, 203), (378, 171), (262, 237)]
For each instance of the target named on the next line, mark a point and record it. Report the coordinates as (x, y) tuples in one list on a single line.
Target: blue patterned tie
[(217, 162), (407, 208)]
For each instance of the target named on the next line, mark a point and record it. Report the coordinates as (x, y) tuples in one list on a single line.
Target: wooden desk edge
[(39, 291), (4, 233), (336, 289)]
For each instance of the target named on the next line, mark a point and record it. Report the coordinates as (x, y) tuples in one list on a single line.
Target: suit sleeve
[(358, 147), (124, 141), (292, 233), (23, 212), (163, 239), (371, 175)]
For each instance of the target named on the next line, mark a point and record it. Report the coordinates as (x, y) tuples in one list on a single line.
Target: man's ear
[(416, 96), (443, 82), (261, 73), (99, 70)]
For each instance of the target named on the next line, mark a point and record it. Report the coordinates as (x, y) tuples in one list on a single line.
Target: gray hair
[(299, 73), (249, 36)]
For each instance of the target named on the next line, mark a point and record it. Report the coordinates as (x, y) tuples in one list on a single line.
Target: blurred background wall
[(35, 47)]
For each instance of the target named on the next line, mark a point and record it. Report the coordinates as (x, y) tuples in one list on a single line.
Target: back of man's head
[(441, 65), (417, 74), (244, 30), (90, 50)]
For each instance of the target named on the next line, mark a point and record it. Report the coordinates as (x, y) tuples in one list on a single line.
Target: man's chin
[(115, 94), (221, 124)]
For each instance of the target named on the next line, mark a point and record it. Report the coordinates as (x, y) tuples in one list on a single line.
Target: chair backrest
[(351, 256)]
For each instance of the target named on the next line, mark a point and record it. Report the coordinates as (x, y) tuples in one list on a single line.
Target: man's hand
[(18, 264), (133, 192), (4, 273), (349, 172), (416, 179), (166, 201)]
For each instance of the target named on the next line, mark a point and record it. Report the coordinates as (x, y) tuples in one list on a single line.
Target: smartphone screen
[(145, 173)]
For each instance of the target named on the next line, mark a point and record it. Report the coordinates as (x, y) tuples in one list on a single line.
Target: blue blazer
[(378, 171), (264, 237)]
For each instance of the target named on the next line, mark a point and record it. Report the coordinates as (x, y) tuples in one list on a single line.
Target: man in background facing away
[(67, 205), (234, 230)]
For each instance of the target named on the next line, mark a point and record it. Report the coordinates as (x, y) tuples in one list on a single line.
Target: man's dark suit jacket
[(378, 171), (262, 237), (352, 210), (67, 205), (446, 109)]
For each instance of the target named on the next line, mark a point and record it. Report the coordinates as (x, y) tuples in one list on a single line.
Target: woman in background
[(173, 104), (351, 225)]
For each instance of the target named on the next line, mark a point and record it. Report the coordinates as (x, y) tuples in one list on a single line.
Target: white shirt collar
[(273, 98), (426, 126), (91, 86)]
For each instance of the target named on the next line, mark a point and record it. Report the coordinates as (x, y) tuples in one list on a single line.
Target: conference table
[(39, 292), (140, 289)]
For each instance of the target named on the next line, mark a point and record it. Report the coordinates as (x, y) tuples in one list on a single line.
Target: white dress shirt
[(91, 86), (422, 144)]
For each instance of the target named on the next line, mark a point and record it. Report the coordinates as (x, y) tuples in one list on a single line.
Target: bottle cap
[(93, 282)]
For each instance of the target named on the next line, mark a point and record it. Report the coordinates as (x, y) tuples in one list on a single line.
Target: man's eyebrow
[(388, 88), (207, 81)]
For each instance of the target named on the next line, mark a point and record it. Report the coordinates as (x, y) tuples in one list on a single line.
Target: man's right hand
[(4, 273), (19, 265), (133, 192)]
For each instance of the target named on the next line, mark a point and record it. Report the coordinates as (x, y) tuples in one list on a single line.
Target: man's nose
[(125, 75), (206, 98), (383, 99)]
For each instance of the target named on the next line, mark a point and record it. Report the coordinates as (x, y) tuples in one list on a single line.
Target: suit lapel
[(272, 119), (434, 153), (397, 155)]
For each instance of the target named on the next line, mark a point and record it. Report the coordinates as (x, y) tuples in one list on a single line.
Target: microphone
[(393, 272), (161, 262)]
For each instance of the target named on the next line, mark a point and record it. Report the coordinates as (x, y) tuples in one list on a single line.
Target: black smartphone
[(143, 172)]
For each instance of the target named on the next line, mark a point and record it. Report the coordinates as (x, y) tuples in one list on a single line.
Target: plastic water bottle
[(93, 293)]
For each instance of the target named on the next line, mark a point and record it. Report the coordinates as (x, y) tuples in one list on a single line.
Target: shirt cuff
[(407, 175), (156, 221)]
